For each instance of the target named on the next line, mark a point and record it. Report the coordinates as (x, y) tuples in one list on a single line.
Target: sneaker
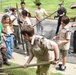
[(1, 70), (60, 65), (7, 63), (17, 47), (60, 68)]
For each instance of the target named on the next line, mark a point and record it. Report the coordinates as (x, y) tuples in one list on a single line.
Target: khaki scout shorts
[(44, 69), (64, 52)]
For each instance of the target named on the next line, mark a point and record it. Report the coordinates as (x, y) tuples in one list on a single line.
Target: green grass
[(49, 5), (21, 71)]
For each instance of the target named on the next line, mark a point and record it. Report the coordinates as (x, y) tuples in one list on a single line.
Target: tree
[(36, 1)]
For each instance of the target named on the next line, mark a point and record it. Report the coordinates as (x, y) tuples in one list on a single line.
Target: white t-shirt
[(15, 22), (27, 21)]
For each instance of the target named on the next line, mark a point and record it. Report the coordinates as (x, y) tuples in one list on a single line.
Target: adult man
[(60, 13), (21, 9), (39, 14), (14, 18)]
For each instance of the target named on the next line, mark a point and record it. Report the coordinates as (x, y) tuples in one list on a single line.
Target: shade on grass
[(24, 71)]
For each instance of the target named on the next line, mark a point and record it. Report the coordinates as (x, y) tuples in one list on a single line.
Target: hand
[(55, 62), (54, 37), (54, 17), (40, 20), (25, 65)]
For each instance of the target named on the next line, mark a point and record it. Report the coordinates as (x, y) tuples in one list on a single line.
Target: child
[(25, 18), (8, 28), (3, 49), (26, 21), (42, 48), (64, 41)]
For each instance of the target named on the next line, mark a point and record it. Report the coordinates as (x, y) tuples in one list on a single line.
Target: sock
[(63, 67)]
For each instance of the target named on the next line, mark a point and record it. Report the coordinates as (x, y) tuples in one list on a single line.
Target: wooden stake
[(30, 65)]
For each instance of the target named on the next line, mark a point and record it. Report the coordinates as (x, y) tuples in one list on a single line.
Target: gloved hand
[(56, 16)]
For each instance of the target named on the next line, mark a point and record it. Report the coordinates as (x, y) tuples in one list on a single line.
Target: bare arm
[(55, 37), (46, 14), (74, 25), (38, 18), (13, 20), (56, 50), (4, 38), (63, 42), (28, 60)]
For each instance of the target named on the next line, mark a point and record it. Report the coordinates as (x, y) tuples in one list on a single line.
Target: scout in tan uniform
[(42, 48), (64, 41)]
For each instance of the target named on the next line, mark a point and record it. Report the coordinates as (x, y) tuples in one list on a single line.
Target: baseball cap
[(61, 3)]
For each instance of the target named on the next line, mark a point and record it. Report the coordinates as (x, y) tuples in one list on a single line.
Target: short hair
[(65, 20), (27, 29), (38, 4), (13, 9), (24, 13), (22, 3)]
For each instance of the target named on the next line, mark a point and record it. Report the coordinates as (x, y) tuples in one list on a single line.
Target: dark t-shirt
[(61, 11)]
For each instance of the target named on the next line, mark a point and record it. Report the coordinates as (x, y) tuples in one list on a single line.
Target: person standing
[(14, 19), (8, 28), (3, 49), (39, 14), (64, 41), (26, 21), (60, 13), (21, 9)]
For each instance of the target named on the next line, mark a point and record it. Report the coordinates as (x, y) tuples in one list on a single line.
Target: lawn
[(49, 5), (27, 71)]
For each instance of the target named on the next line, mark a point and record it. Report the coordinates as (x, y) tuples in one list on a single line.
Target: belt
[(15, 25)]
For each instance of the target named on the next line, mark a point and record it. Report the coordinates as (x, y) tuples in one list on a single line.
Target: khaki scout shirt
[(64, 34), (42, 48)]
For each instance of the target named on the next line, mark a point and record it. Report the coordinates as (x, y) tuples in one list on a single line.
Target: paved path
[(21, 59)]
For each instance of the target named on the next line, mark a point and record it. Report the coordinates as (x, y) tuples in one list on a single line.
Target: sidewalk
[(21, 59)]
